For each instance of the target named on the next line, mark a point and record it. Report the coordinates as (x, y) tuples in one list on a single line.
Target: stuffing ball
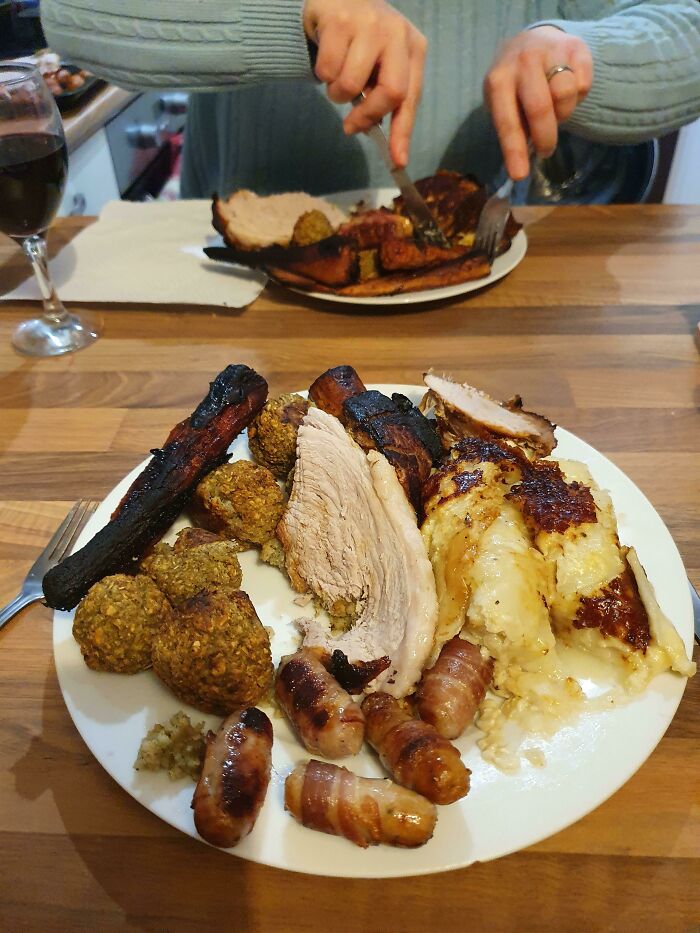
[(272, 553), (116, 621), (272, 435), (214, 653), (310, 228), (194, 537), (240, 500), (183, 571)]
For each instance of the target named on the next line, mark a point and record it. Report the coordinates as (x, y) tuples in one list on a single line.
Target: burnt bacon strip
[(194, 447), (332, 262), (396, 428), (333, 387), (466, 268)]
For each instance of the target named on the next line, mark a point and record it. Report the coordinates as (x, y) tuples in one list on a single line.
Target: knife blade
[(696, 610), (424, 225)]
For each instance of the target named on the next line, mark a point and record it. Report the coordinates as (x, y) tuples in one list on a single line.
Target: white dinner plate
[(379, 197), (585, 762)]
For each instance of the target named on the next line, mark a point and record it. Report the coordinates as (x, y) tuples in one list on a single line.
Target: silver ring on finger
[(557, 70)]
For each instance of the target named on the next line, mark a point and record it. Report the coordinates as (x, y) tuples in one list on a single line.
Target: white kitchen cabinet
[(91, 178)]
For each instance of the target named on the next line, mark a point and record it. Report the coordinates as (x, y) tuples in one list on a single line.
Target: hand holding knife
[(424, 225)]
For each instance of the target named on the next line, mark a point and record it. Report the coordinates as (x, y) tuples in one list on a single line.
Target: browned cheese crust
[(548, 503), (618, 612)]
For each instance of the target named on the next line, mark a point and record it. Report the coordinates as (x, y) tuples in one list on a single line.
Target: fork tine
[(73, 521), (492, 244), (61, 530), (67, 528), (84, 512)]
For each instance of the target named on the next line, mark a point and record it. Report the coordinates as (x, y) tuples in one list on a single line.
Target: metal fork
[(57, 548), (494, 216)]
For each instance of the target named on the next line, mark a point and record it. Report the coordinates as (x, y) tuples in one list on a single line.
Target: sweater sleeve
[(646, 74), (193, 44)]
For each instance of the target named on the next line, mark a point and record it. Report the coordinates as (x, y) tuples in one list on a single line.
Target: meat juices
[(366, 811), (451, 691), (412, 751), (236, 771), (324, 716)]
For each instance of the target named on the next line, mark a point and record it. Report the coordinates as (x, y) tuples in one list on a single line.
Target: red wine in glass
[(33, 171)]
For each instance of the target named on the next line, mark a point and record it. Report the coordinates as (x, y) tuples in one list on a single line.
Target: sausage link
[(451, 691), (412, 751), (366, 811), (325, 717), (233, 783)]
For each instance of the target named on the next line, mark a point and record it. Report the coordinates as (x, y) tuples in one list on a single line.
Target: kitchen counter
[(86, 120)]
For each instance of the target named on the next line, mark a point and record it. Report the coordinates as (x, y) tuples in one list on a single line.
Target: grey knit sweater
[(273, 129)]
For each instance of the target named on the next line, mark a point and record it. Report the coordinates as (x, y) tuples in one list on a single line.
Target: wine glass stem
[(35, 250)]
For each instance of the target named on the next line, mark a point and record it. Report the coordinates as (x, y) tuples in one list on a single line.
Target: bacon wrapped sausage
[(413, 752), (234, 779), (366, 811), (324, 716), (451, 691)]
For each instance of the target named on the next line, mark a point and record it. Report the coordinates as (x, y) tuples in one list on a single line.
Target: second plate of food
[(383, 197)]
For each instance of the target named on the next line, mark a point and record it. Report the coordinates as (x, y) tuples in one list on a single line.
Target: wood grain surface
[(595, 329)]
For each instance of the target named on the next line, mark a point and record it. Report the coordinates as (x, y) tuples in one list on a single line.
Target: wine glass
[(33, 170)]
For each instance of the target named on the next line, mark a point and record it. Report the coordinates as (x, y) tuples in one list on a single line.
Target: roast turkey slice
[(350, 534)]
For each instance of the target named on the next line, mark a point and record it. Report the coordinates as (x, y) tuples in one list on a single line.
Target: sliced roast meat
[(248, 221), (350, 536), (463, 411)]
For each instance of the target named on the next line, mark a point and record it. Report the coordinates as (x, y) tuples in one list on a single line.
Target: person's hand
[(523, 103), (365, 45)]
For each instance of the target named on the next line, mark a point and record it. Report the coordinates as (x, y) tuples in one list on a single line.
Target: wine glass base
[(40, 337)]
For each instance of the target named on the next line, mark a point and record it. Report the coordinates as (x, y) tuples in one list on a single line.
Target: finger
[(403, 119), (536, 104), (500, 96), (581, 61), (563, 88), (390, 90), (333, 45), (361, 58)]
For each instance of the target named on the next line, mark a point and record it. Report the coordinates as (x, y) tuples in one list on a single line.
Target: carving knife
[(424, 225)]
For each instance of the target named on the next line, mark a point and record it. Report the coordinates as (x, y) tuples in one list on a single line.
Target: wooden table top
[(594, 329)]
